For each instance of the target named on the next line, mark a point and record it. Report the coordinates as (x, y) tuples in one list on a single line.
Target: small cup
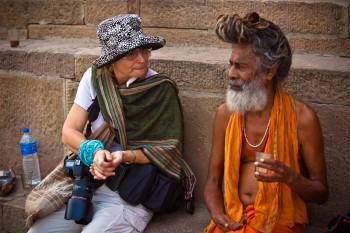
[(26, 178), (13, 37), (258, 157)]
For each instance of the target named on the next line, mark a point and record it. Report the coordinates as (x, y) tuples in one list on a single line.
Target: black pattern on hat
[(120, 34)]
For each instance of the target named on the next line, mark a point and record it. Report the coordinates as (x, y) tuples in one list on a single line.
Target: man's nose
[(232, 73)]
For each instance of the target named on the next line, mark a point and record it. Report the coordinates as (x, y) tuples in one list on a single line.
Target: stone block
[(177, 14), (187, 37), (312, 75), (37, 31), (20, 13), (334, 120), (308, 85), (194, 78), (301, 43), (199, 109), (35, 102), (83, 60), (320, 44), (193, 68), (292, 16), (15, 216), (29, 58), (71, 91), (44, 57), (204, 69), (97, 11)]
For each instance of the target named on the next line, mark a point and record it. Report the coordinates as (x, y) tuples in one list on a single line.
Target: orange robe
[(275, 204)]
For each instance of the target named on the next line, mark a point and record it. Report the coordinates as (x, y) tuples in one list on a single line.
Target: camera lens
[(79, 206), (83, 189), (79, 210)]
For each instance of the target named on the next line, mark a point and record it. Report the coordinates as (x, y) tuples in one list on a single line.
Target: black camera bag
[(137, 183), (165, 196), (147, 185)]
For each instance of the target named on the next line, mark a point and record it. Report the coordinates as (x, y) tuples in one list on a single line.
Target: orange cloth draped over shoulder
[(275, 204)]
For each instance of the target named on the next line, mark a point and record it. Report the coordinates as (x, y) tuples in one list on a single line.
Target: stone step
[(12, 216), (38, 81), (69, 58), (184, 22)]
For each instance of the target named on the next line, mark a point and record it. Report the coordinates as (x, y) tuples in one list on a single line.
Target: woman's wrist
[(131, 157), (98, 149), (87, 150)]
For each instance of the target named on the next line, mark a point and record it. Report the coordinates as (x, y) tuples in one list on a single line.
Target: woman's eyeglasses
[(133, 54)]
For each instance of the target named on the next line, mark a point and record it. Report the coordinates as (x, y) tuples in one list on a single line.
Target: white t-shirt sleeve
[(85, 97), (86, 93)]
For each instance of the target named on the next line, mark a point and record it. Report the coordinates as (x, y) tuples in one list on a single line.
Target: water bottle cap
[(25, 130)]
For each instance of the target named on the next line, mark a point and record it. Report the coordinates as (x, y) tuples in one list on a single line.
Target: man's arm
[(213, 195), (312, 187)]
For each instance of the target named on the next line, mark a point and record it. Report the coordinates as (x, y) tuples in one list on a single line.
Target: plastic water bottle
[(29, 156)]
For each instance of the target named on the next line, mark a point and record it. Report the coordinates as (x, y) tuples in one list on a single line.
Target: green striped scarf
[(147, 115)]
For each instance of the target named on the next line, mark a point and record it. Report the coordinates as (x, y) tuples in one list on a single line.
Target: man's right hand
[(225, 223)]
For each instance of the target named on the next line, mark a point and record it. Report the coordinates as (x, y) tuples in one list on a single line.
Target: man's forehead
[(242, 53)]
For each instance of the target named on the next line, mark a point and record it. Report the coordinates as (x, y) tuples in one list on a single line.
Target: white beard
[(251, 98)]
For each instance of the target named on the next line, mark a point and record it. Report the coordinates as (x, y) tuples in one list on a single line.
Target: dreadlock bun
[(235, 29)]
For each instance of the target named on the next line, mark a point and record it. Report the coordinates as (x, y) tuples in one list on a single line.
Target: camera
[(79, 206)]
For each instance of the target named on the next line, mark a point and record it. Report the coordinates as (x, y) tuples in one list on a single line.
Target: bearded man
[(259, 116)]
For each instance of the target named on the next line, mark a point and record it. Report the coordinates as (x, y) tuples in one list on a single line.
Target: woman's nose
[(140, 57)]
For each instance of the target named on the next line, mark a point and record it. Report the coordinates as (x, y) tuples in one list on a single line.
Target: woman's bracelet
[(130, 162), (87, 150)]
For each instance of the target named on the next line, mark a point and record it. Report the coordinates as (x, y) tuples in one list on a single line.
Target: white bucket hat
[(120, 34)]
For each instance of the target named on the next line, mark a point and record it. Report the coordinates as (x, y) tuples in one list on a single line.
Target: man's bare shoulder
[(306, 115), (222, 118), (223, 113)]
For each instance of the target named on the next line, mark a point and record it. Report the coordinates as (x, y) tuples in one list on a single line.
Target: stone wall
[(312, 26), (38, 80)]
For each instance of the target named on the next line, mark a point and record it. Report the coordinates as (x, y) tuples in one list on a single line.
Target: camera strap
[(93, 110)]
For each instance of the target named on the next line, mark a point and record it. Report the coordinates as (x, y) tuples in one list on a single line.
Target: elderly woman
[(139, 118)]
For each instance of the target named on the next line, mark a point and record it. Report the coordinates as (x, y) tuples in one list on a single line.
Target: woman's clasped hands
[(105, 163)]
